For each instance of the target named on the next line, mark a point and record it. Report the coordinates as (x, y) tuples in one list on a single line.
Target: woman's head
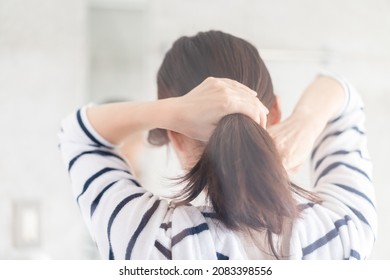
[(239, 168), (212, 54)]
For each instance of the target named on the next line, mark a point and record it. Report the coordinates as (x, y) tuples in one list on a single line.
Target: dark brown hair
[(240, 168)]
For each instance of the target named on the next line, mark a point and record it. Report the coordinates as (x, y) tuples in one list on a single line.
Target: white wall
[(42, 77), (47, 50)]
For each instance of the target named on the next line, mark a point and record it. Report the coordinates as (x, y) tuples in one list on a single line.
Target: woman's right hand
[(198, 112)]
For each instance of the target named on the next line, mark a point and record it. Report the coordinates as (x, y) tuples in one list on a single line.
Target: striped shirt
[(128, 222)]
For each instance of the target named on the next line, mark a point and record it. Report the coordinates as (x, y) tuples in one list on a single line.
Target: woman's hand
[(194, 114), (294, 138), (198, 112)]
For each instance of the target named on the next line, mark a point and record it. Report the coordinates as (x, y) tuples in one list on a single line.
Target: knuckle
[(213, 80), (235, 83), (258, 103), (210, 79), (226, 103)]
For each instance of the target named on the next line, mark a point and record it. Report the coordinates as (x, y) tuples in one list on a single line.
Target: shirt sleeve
[(344, 225), (116, 209)]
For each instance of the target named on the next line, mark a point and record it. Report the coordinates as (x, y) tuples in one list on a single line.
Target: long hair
[(240, 169)]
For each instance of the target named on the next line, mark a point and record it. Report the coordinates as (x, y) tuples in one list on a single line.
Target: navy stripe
[(336, 133), (116, 211), (97, 175), (189, 231), (326, 238), (342, 152), (341, 116), (96, 152), (135, 182), (96, 201), (336, 119), (355, 254), (359, 215), (222, 257), (320, 242), (166, 226), (212, 215), (355, 191), (342, 222), (145, 219), (337, 164), (304, 206), (348, 100), (163, 250), (86, 131)]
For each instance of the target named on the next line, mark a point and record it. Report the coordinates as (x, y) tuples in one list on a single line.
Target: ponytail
[(244, 179)]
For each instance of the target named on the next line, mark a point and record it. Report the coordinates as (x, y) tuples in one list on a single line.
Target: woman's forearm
[(116, 121), (295, 136), (320, 102)]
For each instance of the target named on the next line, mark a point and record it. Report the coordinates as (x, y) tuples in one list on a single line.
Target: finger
[(259, 111), (249, 109), (262, 113), (263, 108), (263, 119), (256, 116), (260, 104)]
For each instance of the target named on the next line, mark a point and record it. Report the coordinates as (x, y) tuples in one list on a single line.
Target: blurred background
[(56, 55)]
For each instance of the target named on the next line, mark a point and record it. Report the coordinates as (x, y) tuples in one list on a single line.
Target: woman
[(220, 128)]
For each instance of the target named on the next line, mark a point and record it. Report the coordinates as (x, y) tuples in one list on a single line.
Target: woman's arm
[(294, 137), (330, 118), (194, 114)]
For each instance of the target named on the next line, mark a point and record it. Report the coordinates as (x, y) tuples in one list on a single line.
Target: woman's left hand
[(294, 139)]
